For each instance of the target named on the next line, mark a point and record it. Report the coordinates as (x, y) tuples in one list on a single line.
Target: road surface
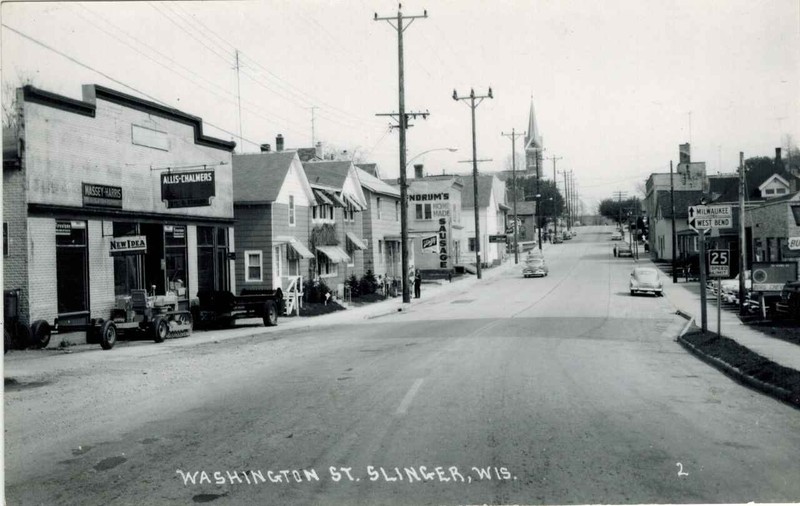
[(562, 389)]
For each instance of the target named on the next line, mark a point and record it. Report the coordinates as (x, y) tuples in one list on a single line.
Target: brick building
[(107, 194)]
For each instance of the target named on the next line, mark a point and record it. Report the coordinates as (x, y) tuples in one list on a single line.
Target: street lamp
[(452, 150)]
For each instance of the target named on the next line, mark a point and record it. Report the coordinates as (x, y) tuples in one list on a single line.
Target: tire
[(108, 335), (40, 333), (160, 329), (270, 314), (632, 293), (21, 335)]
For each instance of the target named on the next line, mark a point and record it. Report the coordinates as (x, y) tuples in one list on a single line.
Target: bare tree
[(9, 101)]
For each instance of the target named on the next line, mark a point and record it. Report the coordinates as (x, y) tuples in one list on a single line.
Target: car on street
[(535, 266), (557, 239), (623, 249), (646, 280), (730, 287), (616, 236)]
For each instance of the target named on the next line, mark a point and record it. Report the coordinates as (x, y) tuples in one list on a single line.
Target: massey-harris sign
[(187, 189)]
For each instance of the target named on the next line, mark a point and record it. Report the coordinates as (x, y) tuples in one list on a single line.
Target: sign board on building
[(709, 217), (100, 195), (443, 243), (128, 245), (794, 243), (188, 189), (430, 242), (497, 238), (771, 276), (719, 263)]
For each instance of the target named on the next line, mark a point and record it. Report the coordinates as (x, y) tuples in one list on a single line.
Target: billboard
[(187, 189), (771, 276)]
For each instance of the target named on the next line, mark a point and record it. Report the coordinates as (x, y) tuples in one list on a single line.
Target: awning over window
[(334, 253), (358, 243), (296, 245), (353, 202)]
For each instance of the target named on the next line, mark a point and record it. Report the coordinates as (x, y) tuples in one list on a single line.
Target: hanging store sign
[(188, 189), (129, 245), (100, 195), (794, 243), (443, 243)]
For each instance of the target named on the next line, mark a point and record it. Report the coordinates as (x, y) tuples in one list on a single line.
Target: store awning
[(334, 253), (296, 245), (358, 243)]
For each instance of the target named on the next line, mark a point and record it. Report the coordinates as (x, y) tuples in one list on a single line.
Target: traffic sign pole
[(703, 302), (719, 306)]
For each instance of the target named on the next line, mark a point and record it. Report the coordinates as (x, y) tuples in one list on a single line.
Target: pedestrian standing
[(417, 284)]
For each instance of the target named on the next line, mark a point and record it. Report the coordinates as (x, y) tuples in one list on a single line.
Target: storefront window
[(72, 268), (127, 268), (175, 256)]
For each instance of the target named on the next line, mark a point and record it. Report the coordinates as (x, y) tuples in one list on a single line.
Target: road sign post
[(719, 266), (703, 301)]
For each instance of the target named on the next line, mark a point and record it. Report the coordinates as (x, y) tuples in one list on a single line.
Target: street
[(563, 389)]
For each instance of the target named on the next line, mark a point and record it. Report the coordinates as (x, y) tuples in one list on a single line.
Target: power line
[(112, 79), (224, 57)]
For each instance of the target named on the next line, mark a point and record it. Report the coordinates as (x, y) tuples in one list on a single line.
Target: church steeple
[(533, 144), (533, 140)]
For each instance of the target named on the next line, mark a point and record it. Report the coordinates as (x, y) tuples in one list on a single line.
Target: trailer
[(221, 308)]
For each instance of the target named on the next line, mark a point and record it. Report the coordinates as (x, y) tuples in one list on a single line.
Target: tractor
[(155, 315)]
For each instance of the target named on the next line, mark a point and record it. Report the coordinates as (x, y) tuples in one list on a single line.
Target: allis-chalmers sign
[(187, 189)]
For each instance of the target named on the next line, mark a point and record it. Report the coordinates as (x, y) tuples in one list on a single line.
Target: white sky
[(617, 85)]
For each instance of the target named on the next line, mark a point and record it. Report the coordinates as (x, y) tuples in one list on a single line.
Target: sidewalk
[(686, 298), (249, 326)]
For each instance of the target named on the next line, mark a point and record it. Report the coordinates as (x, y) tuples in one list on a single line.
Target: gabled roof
[(485, 189), (259, 177), (771, 179), (327, 173), (369, 168), (375, 185)]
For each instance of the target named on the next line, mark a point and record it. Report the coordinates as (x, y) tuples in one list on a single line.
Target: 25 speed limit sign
[(719, 263)]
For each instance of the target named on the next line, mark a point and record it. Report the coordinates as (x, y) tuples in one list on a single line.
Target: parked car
[(646, 280), (566, 235), (623, 249), (790, 300), (535, 266), (557, 239), (616, 236), (730, 287)]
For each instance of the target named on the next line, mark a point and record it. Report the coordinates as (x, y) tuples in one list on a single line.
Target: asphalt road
[(561, 389)]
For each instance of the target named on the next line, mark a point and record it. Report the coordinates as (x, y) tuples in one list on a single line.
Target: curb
[(778, 393)]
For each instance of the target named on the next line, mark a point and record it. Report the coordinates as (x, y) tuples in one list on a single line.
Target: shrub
[(314, 290), (368, 284), (354, 285)]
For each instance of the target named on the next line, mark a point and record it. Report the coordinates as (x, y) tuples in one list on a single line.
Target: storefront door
[(212, 259), (128, 269), (72, 267), (154, 263)]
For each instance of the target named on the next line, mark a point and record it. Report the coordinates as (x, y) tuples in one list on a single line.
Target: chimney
[(778, 160), (418, 171), (266, 148), (318, 148), (279, 142), (684, 153)]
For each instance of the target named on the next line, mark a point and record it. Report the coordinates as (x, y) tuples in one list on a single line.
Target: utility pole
[(313, 129), (472, 98), (403, 120), (619, 195), (566, 196), (239, 100), (555, 187), (538, 202), (742, 236), (513, 135), (672, 217)]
